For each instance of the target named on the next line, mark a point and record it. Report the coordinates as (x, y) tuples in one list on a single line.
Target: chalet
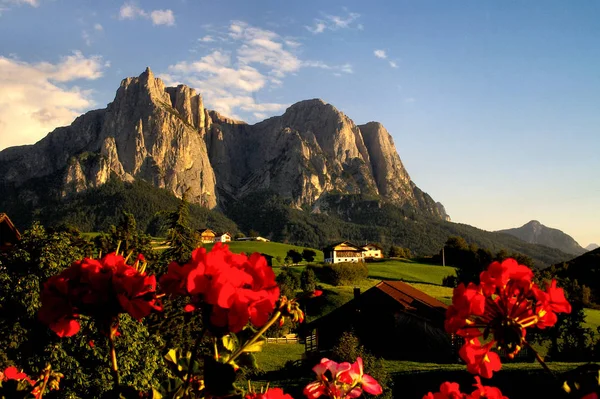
[(343, 252), (393, 320), (9, 235), (372, 251), (207, 236), (223, 237)]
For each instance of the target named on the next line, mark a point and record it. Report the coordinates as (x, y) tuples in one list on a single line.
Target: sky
[(494, 106)]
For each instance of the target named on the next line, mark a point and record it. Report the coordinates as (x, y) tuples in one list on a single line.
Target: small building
[(343, 252), (207, 236), (9, 235), (393, 320), (223, 237), (372, 251)]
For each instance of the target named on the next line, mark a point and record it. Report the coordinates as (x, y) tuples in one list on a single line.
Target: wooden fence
[(288, 339)]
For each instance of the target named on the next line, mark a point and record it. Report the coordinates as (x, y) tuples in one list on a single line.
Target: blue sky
[(493, 105)]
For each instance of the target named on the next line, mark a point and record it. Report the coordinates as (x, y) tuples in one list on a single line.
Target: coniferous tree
[(180, 237)]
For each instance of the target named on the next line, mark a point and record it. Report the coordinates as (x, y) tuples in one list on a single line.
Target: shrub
[(308, 255), (349, 348), (345, 273), (288, 282), (308, 280), (450, 281)]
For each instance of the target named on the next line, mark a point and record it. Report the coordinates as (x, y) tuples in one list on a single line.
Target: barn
[(393, 320), (9, 235)]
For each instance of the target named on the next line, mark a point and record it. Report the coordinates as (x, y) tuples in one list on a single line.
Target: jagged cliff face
[(311, 150), (165, 136), (148, 132)]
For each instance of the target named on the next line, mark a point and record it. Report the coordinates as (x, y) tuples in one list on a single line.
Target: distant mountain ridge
[(536, 233), (592, 246), (165, 136)]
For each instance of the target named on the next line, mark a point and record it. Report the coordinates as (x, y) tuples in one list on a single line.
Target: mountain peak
[(534, 223), (536, 233)]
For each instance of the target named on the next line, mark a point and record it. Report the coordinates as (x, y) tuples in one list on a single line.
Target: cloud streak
[(130, 11), (334, 22), (230, 80), (380, 54), (38, 97)]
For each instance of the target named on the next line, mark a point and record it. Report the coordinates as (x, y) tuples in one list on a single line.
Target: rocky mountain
[(592, 246), (165, 136), (536, 233)]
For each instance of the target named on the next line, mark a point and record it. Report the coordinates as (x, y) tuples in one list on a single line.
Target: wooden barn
[(9, 235), (393, 320)]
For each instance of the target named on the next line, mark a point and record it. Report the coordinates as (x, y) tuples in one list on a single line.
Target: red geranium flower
[(238, 288), (341, 381), (12, 373), (451, 390), (98, 288), (271, 393), (503, 305)]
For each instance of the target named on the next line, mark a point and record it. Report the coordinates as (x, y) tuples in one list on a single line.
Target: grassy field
[(274, 249), (274, 356), (409, 271)]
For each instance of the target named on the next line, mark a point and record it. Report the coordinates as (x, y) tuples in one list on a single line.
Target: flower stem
[(113, 355), (194, 355), (46, 377), (255, 337), (539, 359)]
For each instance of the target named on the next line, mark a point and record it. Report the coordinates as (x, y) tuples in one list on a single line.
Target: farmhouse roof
[(206, 231), (409, 297), (373, 245), (8, 229), (332, 246)]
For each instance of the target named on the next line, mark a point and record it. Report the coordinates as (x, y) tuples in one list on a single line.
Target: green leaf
[(229, 342), (171, 356), (255, 347)]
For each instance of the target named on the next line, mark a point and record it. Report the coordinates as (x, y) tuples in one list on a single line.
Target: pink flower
[(341, 381)]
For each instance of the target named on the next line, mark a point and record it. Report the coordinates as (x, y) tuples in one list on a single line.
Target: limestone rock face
[(165, 136), (148, 132)]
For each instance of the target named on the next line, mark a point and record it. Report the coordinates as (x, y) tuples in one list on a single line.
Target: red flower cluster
[(12, 373), (271, 393), (504, 304), (451, 390), (98, 288), (341, 381), (239, 288)]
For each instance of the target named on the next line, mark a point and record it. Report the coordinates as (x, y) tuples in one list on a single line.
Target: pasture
[(274, 249)]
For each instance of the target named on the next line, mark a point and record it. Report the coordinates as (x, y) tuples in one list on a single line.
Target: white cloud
[(393, 64), (334, 22), (36, 97), (32, 3), (346, 68), (256, 59), (318, 28), (206, 39), (380, 54), (86, 38), (98, 27), (5, 5), (130, 10), (162, 17)]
